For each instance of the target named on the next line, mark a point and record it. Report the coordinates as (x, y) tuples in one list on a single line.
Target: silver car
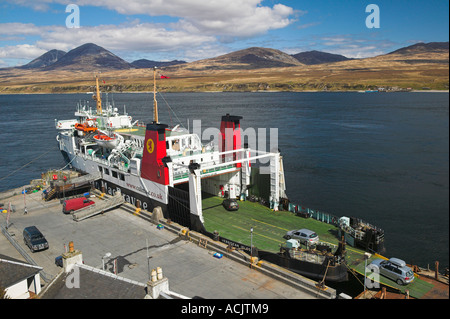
[(303, 235), (394, 269)]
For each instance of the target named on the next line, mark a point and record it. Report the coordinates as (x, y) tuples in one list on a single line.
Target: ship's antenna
[(155, 103), (98, 98)]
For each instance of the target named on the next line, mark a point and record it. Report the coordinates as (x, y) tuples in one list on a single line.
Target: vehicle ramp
[(99, 207)]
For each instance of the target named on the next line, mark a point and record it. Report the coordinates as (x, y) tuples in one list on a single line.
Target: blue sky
[(197, 29)]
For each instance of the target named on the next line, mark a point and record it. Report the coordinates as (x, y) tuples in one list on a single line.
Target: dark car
[(230, 204), (34, 239)]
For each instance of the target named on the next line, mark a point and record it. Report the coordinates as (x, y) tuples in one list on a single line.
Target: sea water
[(382, 157)]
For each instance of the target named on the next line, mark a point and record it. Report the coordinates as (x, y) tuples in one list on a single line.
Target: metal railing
[(46, 277)]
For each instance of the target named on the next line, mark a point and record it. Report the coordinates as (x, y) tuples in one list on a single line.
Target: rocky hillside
[(318, 57), (44, 60), (248, 59), (90, 56)]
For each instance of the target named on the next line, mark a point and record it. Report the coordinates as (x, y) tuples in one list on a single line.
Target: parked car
[(34, 239), (230, 204), (303, 235), (74, 204), (394, 269)]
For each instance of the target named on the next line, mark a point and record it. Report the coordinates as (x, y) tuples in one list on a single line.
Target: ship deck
[(270, 226)]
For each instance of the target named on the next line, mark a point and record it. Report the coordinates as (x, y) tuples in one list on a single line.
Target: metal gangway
[(61, 186), (99, 207)]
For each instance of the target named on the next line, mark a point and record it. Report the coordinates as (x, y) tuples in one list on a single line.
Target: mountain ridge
[(319, 57), (252, 69), (89, 55), (46, 59)]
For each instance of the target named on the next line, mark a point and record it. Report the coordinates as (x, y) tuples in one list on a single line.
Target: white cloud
[(353, 46), (233, 18), (199, 31), (21, 51), (121, 40), (16, 28)]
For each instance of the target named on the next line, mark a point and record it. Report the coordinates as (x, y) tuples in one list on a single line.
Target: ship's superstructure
[(154, 165)]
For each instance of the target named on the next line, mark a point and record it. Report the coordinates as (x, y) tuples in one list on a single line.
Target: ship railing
[(307, 255), (318, 215), (121, 166), (181, 174)]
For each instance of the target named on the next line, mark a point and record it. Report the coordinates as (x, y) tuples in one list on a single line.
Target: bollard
[(71, 249), (436, 270), (153, 275), (159, 273)]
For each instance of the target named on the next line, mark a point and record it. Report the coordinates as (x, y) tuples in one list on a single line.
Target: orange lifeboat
[(88, 126), (106, 141)]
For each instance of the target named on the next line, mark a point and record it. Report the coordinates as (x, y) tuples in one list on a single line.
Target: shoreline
[(258, 91)]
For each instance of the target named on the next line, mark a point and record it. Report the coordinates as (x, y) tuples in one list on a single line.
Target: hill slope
[(318, 57), (44, 60), (251, 58), (144, 63), (432, 47), (89, 56)]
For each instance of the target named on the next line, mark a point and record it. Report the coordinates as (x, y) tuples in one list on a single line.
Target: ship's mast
[(98, 98), (155, 103)]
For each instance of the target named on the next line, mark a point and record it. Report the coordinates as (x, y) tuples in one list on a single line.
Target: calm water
[(381, 157)]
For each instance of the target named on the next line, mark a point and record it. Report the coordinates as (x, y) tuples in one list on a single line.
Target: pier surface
[(192, 270)]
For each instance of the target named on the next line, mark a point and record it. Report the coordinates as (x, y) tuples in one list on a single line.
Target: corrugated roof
[(95, 284), (13, 271)]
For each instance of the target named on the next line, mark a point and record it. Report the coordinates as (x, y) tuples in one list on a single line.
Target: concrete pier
[(137, 246)]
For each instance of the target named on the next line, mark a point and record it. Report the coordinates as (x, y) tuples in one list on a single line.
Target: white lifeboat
[(108, 141)]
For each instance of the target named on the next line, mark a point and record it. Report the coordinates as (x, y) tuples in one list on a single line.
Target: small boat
[(105, 140), (317, 262), (89, 126), (359, 233)]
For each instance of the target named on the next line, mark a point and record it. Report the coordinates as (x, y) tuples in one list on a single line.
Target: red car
[(74, 204)]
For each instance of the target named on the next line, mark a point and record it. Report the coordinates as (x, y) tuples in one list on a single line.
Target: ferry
[(160, 168)]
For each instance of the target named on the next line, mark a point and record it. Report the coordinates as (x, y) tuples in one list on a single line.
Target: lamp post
[(251, 242)]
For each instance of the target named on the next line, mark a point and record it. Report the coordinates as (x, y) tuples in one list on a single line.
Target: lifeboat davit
[(89, 126), (106, 140)]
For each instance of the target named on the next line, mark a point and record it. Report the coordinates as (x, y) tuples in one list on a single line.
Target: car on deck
[(230, 204), (394, 269)]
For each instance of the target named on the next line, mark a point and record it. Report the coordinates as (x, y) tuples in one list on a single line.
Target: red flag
[(164, 77)]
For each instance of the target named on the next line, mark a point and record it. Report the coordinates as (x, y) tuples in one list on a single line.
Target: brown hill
[(88, 57), (44, 60), (318, 57), (247, 70), (248, 59)]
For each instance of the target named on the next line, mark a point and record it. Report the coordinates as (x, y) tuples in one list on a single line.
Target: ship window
[(100, 169), (106, 171), (121, 176), (114, 174)]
